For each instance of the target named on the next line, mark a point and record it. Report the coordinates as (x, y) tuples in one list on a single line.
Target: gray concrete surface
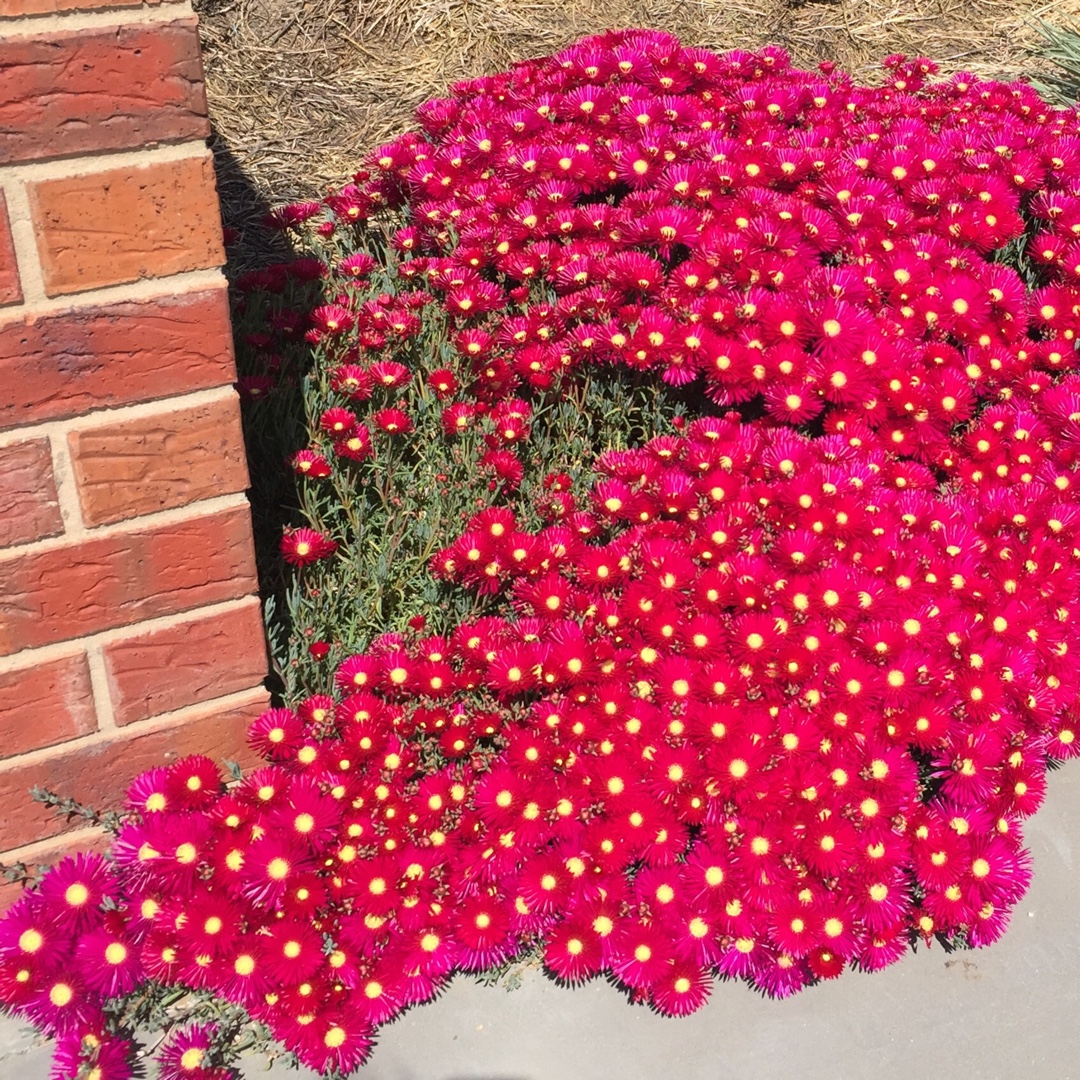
[(1009, 1012)]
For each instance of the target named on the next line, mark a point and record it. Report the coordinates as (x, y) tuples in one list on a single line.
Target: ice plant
[(303, 546), (698, 438)]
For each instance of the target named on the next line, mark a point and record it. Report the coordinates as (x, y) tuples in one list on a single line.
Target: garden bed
[(684, 564)]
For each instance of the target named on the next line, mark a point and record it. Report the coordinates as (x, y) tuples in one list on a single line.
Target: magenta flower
[(301, 547)]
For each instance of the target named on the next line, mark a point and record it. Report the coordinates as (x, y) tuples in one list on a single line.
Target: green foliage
[(391, 513), (70, 809), (1063, 49)]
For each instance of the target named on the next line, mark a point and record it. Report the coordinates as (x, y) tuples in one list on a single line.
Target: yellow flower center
[(115, 953), (77, 894), (192, 1058)]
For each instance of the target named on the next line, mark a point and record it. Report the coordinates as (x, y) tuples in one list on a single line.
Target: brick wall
[(130, 632)]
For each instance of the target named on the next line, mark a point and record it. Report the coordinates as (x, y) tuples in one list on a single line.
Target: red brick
[(60, 365), (27, 493), (44, 704), (10, 289), (49, 854), (90, 585), (181, 665), (50, 7), (98, 774), (159, 462), (116, 88), (107, 228)]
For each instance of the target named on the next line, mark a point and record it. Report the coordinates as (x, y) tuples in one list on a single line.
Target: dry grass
[(300, 89)]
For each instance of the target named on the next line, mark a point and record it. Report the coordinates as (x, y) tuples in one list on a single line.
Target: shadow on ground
[(251, 247)]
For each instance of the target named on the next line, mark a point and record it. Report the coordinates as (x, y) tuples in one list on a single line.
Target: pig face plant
[(685, 563)]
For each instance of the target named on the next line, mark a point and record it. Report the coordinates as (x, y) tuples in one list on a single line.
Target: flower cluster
[(802, 247), (801, 696), (772, 697), (780, 233), (62, 955)]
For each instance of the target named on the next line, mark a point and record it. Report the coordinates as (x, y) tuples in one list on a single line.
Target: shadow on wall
[(243, 207), (274, 426)]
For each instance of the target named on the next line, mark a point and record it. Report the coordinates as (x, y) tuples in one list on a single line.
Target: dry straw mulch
[(300, 89)]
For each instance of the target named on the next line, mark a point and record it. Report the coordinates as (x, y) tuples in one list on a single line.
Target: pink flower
[(352, 380), (358, 265), (443, 382), (393, 421), (337, 422), (254, 387), (389, 374), (356, 445), (332, 319), (301, 547), (505, 466), (187, 1053), (108, 963), (292, 215), (310, 463)]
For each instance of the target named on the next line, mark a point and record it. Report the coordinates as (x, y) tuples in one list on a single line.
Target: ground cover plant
[(685, 565)]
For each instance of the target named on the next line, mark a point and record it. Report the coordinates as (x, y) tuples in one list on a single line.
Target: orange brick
[(45, 703), (119, 579), (113, 88), (10, 289), (28, 506), (107, 228), (98, 774), (181, 665), (54, 366), (159, 462)]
